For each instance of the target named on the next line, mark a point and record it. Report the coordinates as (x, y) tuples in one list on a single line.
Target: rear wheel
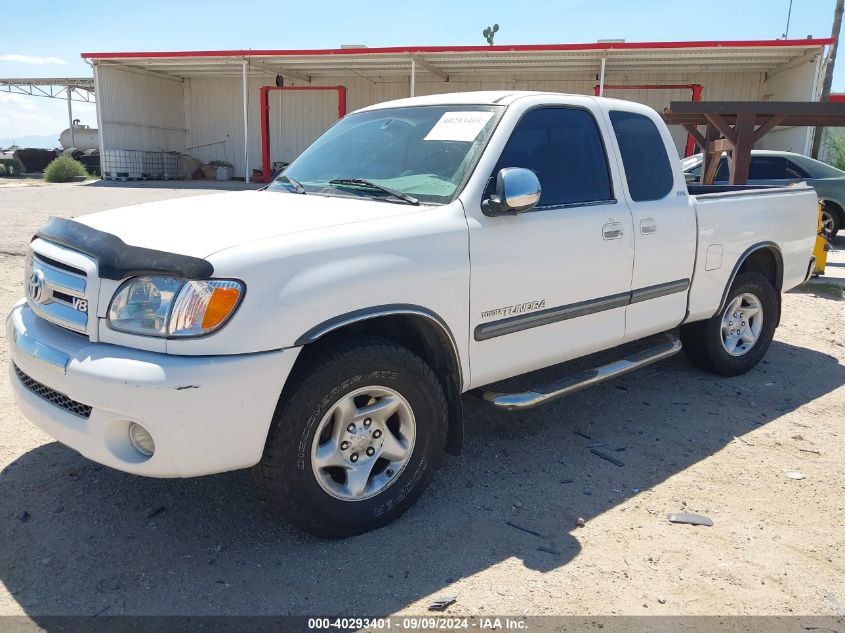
[(831, 221), (355, 439), (736, 339)]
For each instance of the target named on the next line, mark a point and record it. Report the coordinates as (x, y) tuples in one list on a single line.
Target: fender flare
[(778, 255), (454, 440)]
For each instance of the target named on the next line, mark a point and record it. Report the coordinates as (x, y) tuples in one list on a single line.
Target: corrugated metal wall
[(802, 83), (139, 110), (204, 116), (214, 115), (297, 118)]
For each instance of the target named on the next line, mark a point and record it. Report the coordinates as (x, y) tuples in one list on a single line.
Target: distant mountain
[(47, 141)]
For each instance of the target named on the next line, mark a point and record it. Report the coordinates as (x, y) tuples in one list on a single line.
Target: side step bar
[(582, 379)]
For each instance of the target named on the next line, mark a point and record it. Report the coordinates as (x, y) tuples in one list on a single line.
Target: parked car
[(324, 330), (781, 168)]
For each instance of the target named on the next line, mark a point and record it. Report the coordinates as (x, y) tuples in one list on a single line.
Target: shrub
[(10, 167), (65, 169)]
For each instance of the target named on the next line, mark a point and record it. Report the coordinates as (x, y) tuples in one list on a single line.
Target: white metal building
[(209, 103)]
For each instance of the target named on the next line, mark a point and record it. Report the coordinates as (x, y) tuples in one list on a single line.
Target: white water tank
[(84, 138)]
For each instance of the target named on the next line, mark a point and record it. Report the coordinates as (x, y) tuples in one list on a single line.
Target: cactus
[(489, 33)]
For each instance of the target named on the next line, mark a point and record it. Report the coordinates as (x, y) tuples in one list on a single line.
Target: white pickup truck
[(323, 330)]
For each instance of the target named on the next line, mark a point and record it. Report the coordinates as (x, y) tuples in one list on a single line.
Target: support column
[(413, 78), (70, 115), (246, 121), (601, 77), (740, 158)]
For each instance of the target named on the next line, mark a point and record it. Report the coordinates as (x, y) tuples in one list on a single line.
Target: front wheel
[(733, 341), (356, 436)]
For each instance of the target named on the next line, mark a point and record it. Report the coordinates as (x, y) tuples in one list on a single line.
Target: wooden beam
[(711, 157), (798, 113), (720, 124), (740, 159), (422, 61), (698, 136), (764, 129), (723, 145)]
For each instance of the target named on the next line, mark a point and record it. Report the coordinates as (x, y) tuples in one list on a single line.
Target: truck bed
[(736, 219)]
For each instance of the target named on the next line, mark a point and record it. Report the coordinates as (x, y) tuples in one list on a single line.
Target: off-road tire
[(702, 340), (324, 375)]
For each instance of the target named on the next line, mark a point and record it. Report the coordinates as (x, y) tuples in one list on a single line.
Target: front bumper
[(206, 414)]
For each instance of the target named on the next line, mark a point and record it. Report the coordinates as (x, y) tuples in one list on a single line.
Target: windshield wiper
[(374, 185), (297, 187)]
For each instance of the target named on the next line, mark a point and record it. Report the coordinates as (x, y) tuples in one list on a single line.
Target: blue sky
[(43, 38)]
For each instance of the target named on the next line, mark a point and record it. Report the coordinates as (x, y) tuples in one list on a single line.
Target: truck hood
[(201, 225)]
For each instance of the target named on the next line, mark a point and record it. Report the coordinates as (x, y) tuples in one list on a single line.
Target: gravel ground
[(78, 538)]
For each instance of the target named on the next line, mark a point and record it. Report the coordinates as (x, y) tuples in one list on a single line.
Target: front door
[(553, 283)]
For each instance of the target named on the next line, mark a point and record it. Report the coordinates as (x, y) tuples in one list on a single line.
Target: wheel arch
[(764, 258), (417, 328)]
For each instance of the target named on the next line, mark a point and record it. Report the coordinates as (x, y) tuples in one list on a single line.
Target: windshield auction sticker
[(458, 126)]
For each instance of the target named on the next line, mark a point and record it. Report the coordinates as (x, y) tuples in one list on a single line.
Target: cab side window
[(647, 167), (564, 148)]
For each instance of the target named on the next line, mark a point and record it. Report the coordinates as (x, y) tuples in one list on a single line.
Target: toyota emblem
[(36, 286)]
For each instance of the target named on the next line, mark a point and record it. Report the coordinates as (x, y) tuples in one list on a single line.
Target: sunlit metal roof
[(445, 61)]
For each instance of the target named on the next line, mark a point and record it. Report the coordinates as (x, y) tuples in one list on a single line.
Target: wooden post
[(711, 155), (741, 156)]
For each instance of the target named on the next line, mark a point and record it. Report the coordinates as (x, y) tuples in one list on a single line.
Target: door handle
[(648, 226), (612, 231)]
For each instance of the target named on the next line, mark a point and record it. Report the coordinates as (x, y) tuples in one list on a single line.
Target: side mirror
[(517, 190)]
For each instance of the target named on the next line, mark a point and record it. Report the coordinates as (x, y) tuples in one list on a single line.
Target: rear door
[(665, 232)]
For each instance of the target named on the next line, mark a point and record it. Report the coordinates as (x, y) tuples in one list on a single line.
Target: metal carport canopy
[(444, 61)]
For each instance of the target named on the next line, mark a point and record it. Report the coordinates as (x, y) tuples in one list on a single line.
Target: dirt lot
[(77, 538)]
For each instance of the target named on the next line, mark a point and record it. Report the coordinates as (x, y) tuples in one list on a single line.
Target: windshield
[(422, 151)]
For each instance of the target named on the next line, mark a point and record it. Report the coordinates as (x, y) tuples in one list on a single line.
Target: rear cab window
[(647, 167)]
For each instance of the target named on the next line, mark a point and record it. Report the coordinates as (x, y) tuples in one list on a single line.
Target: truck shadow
[(82, 539)]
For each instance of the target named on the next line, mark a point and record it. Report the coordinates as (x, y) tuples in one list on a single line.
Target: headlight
[(173, 307)]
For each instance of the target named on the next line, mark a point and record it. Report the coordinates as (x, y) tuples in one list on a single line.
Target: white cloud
[(31, 59), (21, 115)]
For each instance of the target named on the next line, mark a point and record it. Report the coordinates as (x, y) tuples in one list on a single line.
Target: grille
[(53, 396), (58, 293), (62, 265)]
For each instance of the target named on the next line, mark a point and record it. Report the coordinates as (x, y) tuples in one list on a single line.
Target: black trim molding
[(660, 290), (118, 260), (521, 322)]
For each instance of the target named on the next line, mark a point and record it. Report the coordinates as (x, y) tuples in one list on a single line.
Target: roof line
[(592, 46)]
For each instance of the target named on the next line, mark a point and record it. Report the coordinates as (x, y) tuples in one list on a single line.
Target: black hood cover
[(118, 260)]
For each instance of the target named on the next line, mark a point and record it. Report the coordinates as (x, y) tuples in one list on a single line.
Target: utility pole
[(828, 73), (788, 17)]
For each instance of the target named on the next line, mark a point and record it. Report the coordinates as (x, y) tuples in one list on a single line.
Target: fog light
[(141, 439)]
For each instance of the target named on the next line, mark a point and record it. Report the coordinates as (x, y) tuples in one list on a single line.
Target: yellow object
[(821, 248)]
